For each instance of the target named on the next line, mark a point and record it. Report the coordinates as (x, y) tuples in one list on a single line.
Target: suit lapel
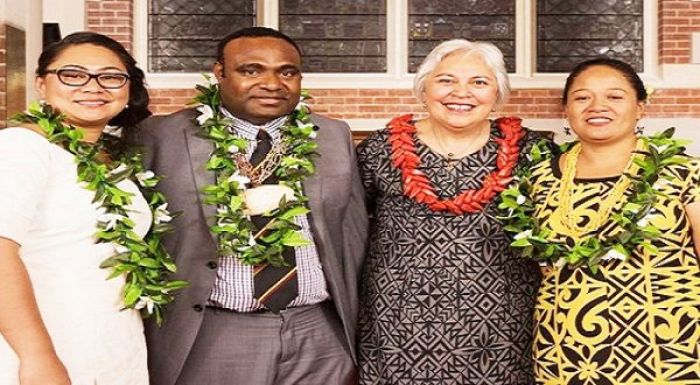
[(198, 149)]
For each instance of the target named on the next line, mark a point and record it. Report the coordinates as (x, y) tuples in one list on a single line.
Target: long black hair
[(138, 95)]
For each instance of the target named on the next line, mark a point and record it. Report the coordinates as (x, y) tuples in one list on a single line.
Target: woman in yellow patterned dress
[(634, 320)]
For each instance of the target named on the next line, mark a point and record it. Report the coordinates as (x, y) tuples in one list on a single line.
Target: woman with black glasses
[(72, 221)]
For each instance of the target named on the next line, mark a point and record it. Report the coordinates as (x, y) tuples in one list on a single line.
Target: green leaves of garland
[(533, 241), (236, 233), (144, 262)]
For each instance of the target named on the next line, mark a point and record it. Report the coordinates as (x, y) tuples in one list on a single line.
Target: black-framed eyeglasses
[(76, 78)]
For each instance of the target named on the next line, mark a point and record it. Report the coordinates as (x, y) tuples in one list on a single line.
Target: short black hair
[(252, 32), (625, 69), (138, 95)]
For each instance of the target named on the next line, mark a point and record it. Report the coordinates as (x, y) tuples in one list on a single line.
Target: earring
[(126, 106), (639, 130)]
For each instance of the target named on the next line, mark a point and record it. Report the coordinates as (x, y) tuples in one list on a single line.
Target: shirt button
[(212, 265), (198, 308)]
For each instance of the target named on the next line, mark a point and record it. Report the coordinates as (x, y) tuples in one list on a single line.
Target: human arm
[(692, 211), (690, 197), (21, 324), (24, 171), (369, 154)]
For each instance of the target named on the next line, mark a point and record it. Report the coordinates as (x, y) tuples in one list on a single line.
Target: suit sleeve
[(355, 222)]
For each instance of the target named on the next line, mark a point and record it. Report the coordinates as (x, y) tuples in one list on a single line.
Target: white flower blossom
[(301, 124), (145, 302), (614, 254), (121, 168), (301, 105), (660, 184), (242, 180), (161, 214), (121, 249), (520, 199), (659, 149), (643, 222), (523, 234), (109, 220), (144, 177), (251, 240), (206, 114)]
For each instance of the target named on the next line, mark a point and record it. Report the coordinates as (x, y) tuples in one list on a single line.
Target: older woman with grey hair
[(444, 301)]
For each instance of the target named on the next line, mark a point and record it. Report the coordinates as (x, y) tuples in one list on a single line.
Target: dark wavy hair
[(138, 95), (625, 69)]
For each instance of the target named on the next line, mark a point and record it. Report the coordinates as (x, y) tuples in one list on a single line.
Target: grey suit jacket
[(336, 199)]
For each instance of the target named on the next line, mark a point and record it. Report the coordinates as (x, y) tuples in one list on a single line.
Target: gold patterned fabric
[(634, 322)]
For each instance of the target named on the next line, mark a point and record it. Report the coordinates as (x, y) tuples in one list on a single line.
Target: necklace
[(292, 162), (418, 187), (568, 188), (265, 169), (451, 158), (144, 262), (644, 169)]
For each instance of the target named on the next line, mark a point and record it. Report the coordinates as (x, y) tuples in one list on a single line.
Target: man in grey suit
[(220, 330)]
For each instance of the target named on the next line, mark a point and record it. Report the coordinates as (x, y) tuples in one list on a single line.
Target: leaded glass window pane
[(183, 34), (570, 31), (337, 35), (431, 22)]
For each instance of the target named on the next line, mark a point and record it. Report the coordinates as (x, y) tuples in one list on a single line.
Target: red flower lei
[(418, 187)]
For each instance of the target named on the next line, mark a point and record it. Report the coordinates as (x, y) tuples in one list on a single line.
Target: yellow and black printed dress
[(634, 322)]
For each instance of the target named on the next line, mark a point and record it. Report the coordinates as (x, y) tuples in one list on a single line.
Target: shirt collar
[(249, 130)]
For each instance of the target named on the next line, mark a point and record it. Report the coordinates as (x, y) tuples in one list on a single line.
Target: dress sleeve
[(691, 192), (24, 173)]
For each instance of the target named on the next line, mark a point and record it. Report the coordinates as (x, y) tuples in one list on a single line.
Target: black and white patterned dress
[(444, 301)]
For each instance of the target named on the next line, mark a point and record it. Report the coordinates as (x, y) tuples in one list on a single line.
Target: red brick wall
[(381, 104), (113, 18), (3, 77), (384, 104), (677, 20)]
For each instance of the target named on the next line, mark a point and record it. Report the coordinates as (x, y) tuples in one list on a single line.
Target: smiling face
[(602, 106), (89, 106), (460, 92), (260, 78)]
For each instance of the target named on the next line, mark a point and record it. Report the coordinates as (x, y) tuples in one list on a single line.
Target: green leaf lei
[(533, 240), (236, 232), (144, 262)]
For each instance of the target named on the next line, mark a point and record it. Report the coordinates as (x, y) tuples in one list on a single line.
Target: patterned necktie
[(275, 287)]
